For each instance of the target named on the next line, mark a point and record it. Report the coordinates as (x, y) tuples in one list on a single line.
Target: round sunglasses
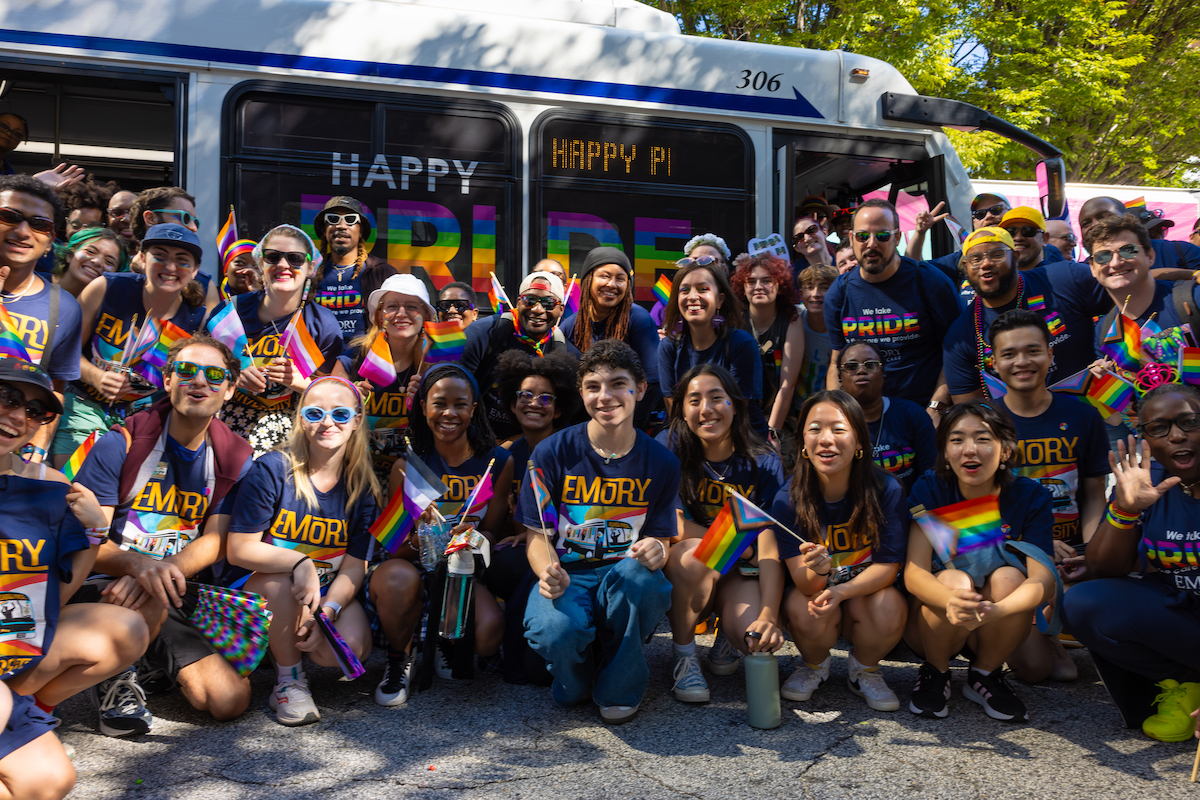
[(315, 414), (544, 399)]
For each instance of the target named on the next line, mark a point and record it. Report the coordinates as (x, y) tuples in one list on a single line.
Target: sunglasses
[(1028, 231), (880, 236), (543, 400), (1158, 428), (334, 219), (455, 305), (983, 212), (186, 218), (36, 224), (1102, 257), (293, 259), (805, 234), (702, 261), (850, 367), (315, 414), (548, 303), (214, 375), (35, 410)]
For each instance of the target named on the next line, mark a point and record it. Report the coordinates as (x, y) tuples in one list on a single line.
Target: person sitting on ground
[(709, 431), (986, 600), (602, 568), (315, 497), (850, 519), (456, 302), (167, 479), (902, 436), (87, 255)]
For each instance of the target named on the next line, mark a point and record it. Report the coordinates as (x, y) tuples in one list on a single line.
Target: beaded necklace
[(985, 349)]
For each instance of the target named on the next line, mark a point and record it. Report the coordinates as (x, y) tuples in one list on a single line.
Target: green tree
[(1112, 83)]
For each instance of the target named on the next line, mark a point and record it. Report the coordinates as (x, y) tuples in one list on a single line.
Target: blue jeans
[(620, 604)]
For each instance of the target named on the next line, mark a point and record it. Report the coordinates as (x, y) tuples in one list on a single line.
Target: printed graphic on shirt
[(600, 518), (846, 549), (1052, 462), (322, 539), (345, 300), (714, 494), (450, 505), (163, 519), (108, 347), (898, 462), (22, 604), (32, 331)]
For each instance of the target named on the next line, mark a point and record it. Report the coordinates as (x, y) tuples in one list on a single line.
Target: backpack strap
[(51, 326), (1182, 295)]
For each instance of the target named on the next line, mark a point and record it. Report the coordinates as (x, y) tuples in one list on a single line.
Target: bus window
[(437, 178), (642, 184)]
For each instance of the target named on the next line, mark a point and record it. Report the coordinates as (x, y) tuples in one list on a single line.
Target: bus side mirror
[(1051, 180)]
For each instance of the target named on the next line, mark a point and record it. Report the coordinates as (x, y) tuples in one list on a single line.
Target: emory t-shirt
[(462, 480), (342, 294), (31, 314), (848, 548), (1025, 507), (737, 351), (903, 441)]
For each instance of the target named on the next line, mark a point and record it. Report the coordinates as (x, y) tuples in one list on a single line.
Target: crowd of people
[(848, 392)]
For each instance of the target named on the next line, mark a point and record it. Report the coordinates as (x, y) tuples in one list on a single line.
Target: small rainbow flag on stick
[(1109, 393), (377, 365), (300, 346), (962, 527), (573, 295), (146, 338), (421, 488), (446, 341), (731, 533), (11, 344), (71, 468), (662, 289), (1189, 365), (497, 296), (541, 494), (169, 334), (1123, 343)]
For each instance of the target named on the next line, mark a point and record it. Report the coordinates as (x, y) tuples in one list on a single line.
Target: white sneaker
[(292, 702), (618, 715), (397, 675), (801, 684), (690, 686), (441, 664), (870, 686), (722, 656)]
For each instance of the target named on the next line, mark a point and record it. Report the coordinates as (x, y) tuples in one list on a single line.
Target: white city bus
[(482, 135)]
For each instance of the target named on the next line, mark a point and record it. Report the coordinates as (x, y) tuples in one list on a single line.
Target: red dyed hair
[(785, 298)]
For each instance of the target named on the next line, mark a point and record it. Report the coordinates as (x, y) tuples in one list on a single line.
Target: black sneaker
[(393, 688), (930, 693), (122, 705), (995, 695)]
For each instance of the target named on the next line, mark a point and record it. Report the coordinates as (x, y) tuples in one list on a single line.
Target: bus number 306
[(760, 80)]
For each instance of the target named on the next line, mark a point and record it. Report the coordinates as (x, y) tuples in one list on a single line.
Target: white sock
[(855, 663), (293, 671), (682, 650)]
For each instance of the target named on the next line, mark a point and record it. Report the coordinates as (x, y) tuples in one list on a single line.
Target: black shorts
[(26, 723)]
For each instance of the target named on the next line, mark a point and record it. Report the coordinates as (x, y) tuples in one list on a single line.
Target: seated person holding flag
[(385, 363), (301, 523), (996, 532), (850, 513), (599, 505), (130, 321), (289, 339), (720, 456), (167, 478)]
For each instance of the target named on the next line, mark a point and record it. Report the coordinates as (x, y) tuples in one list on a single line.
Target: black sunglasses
[(996, 210), (1028, 231), (804, 234), (35, 410), (548, 302), (455, 305), (14, 218), (294, 259)]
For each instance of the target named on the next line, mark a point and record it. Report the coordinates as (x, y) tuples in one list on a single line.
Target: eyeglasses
[(543, 400), (118, 213), (215, 376), (1101, 257), (702, 261), (186, 218), (341, 415), (1028, 231), (35, 410), (995, 211), (10, 132), (455, 305), (1071, 240), (1158, 428), (549, 303), (293, 259), (78, 225), (805, 234), (995, 256), (333, 219), (14, 218), (392, 309), (850, 367), (880, 236)]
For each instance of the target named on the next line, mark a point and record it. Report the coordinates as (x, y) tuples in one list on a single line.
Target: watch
[(939, 406), (336, 608)]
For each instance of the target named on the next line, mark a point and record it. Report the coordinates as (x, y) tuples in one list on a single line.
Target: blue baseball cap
[(172, 234)]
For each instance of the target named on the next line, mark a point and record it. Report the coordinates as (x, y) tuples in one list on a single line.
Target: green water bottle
[(762, 691)]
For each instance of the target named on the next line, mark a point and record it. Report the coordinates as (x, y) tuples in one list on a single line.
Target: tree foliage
[(1115, 84)]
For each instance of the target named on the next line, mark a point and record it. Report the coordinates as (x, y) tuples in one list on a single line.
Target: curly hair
[(1111, 225), (88, 194), (480, 438), (610, 354), (778, 270), (558, 368), (27, 184), (149, 200)]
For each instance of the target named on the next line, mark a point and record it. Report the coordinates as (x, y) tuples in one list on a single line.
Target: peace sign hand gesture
[(1135, 491), (927, 219)]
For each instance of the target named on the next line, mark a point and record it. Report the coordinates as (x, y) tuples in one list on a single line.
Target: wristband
[(336, 608), (1121, 519), (30, 450), (663, 546), (292, 572), (95, 536), (822, 574)]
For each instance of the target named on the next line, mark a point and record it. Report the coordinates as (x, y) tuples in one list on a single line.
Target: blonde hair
[(356, 469)]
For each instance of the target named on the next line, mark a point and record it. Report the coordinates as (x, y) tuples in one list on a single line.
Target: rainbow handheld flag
[(476, 505), (226, 236), (731, 533), (11, 343), (962, 527), (1109, 393), (573, 295), (1189, 365), (300, 346), (377, 365), (446, 341), (662, 289), (169, 334), (226, 327), (1123, 343), (421, 488), (71, 468), (541, 494), (497, 296)]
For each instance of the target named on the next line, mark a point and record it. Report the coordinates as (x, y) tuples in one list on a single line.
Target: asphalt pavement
[(488, 739)]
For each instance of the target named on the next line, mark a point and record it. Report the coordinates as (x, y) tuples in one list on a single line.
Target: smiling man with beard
[(349, 273)]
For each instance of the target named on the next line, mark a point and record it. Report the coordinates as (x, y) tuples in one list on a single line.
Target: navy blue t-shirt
[(1065, 294), (757, 479), (328, 533), (602, 509), (1025, 507), (949, 265), (343, 297), (1175, 254), (903, 441), (642, 336), (737, 351), (848, 548), (31, 313), (1059, 447), (906, 317), (387, 414), (461, 481), (1161, 308), (519, 450), (1171, 535), (39, 535)]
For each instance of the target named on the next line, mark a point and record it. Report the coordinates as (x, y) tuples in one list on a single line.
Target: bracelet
[(663, 546), (292, 572), (1121, 519), (95, 536), (822, 574)]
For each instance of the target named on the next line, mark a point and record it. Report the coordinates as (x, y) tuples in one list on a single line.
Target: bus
[(481, 135)]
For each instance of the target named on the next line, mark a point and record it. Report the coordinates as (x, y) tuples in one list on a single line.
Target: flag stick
[(1196, 763), (1126, 304)]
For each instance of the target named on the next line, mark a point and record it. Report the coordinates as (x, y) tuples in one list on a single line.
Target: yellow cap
[(985, 235), (1024, 214)]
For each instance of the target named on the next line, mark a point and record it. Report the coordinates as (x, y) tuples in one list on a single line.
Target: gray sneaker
[(690, 686), (122, 705), (292, 702)]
